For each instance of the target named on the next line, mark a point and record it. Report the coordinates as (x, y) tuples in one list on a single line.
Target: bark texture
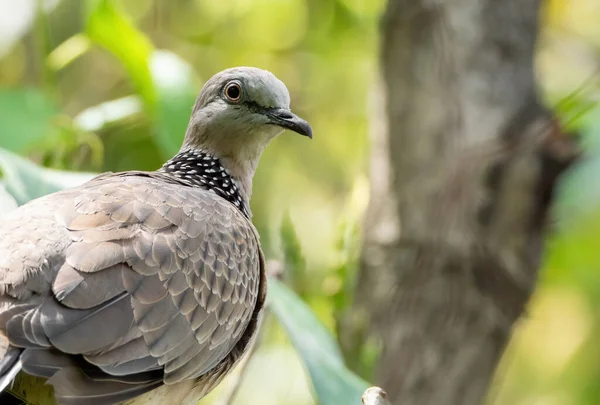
[(464, 158)]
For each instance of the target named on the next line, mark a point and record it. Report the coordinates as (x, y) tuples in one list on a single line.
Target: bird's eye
[(233, 92)]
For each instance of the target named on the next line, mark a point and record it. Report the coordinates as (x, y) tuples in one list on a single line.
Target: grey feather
[(73, 387), (9, 359), (162, 340), (156, 315), (87, 290), (144, 289), (134, 349), (44, 362), (9, 375), (138, 279), (135, 366), (78, 331)]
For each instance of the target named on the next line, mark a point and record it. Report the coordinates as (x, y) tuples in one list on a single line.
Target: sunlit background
[(101, 85)]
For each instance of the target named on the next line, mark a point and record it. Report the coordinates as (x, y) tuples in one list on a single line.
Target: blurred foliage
[(27, 116), (294, 263), (25, 181), (97, 85), (333, 382)]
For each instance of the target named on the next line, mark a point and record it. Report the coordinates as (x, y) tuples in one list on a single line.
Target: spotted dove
[(147, 285)]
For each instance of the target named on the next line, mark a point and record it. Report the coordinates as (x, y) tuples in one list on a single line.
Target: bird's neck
[(202, 169)]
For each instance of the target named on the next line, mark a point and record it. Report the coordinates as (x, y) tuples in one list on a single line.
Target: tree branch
[(462, 171)]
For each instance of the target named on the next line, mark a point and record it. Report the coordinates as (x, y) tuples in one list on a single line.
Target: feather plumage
[(139, 282), (146, 282)]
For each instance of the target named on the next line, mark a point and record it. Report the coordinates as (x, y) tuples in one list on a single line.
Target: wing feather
[(135, 273)]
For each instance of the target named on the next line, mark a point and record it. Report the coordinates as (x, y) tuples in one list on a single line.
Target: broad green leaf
[(177, 87), (295, 264), (109, 27), (26, 116), (334, 384), (167, 84), (26, 181)]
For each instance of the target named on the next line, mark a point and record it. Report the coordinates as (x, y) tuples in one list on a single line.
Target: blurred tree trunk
[(464, 159)]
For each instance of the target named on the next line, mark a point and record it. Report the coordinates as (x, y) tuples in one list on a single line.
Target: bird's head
[(238, 112)]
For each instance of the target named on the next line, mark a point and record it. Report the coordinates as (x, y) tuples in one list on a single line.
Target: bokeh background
[(97, 85)]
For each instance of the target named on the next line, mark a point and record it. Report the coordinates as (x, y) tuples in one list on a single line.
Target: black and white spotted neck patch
[(201, 169)]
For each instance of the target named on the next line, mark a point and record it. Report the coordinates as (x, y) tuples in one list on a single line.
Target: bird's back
[(128, 282)]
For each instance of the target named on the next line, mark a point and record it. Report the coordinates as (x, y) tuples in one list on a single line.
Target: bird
[(147, 287)]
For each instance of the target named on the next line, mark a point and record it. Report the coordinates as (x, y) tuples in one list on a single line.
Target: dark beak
[(288, 120)]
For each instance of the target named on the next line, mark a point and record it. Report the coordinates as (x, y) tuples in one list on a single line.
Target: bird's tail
[(10, 365)]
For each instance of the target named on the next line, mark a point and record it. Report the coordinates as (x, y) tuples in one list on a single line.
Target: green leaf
[(109, 27), (295, 264), (26, 181), (26, 116), (68, 51), (333, 382), (176, 85), (166, 83)]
